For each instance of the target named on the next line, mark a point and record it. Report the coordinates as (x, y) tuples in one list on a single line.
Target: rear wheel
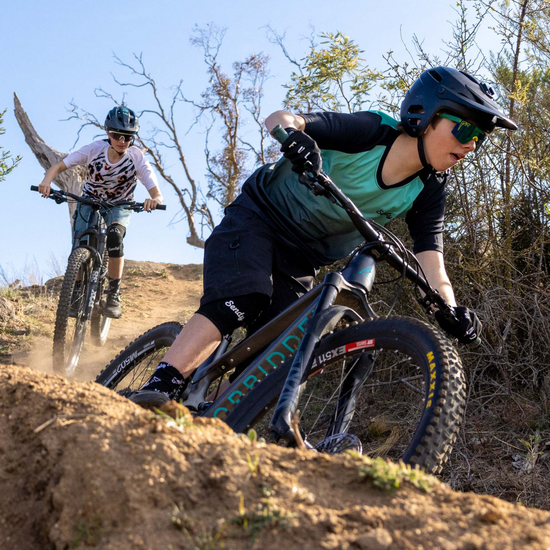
[(70, 321), (131, 369), (396, 385)]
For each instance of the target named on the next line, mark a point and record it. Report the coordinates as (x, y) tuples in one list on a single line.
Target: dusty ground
[(152, 293), (82, 468)]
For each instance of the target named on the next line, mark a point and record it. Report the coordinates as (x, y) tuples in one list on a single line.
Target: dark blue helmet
[(452, 91), (122, 119)]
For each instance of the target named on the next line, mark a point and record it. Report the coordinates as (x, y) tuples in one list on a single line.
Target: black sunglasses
[(121, 137)]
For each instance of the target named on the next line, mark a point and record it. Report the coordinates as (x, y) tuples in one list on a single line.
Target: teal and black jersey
[(354, 148)]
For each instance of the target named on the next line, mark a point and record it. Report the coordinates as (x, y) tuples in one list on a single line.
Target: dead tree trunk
[(71, 180)]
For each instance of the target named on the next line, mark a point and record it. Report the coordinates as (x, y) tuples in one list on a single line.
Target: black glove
[(302, 151), (466, 328)]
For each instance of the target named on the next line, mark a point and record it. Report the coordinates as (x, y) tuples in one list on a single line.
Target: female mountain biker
[(114, 166), (265, 252)]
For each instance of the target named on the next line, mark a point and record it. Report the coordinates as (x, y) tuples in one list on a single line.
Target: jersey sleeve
[(347, 133), (79, 158), (427, 214), (144, 171)]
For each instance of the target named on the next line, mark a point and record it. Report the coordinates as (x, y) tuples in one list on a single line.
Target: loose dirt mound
[(82, 467)]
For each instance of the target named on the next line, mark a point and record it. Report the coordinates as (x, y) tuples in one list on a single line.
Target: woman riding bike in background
[(266, 251), (114, 166)]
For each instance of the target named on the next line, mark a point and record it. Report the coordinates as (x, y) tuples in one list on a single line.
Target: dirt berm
[(83, 468)]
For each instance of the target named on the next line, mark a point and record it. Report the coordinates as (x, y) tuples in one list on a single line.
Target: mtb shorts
[(115, 214), (244, 256)]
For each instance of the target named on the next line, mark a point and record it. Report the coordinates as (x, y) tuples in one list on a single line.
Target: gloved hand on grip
[(303, 152), (466, 328)]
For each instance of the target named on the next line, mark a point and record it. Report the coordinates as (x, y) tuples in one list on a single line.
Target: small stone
[(491, 516), (377, 539)]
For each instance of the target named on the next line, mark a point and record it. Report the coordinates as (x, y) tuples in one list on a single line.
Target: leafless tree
[(223, 102)]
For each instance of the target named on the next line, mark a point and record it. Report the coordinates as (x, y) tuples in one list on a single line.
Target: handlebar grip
[(279, 133), (161, 207), (34, 187)]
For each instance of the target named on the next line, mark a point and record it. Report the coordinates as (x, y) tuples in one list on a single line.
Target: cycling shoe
[(148, 399)]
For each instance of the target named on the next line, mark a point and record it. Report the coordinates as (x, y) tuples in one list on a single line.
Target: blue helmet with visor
[(447, 90)]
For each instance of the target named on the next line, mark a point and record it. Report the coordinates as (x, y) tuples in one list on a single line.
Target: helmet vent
[(436, 75), (415, 109)]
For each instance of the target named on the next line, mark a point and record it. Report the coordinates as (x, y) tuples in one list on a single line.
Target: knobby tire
[(410, 407), (133, 366), (68, 338)]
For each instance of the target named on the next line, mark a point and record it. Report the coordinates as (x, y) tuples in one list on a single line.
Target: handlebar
[(63, 196), (322, 184)]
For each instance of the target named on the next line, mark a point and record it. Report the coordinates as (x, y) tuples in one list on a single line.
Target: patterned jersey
[(112, 181)]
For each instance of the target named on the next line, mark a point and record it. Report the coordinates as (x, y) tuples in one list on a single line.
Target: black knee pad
[(115, 235), (229, 314)]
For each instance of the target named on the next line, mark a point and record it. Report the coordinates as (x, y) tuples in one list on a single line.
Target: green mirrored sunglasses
[(465, 131)]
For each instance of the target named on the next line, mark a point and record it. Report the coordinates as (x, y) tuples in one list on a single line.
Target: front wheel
[(131, 369), (394, 385), (70, 320)]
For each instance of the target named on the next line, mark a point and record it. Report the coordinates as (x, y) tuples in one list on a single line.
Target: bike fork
[(92, 291), (281, 423)]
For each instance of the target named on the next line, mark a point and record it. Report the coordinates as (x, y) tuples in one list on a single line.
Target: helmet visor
[(465, 131)]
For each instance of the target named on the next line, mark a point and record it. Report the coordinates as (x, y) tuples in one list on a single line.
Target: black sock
[(114, 286), (166, 379)]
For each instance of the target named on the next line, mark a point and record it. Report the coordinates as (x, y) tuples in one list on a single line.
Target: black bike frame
[(96, 233), (304, 323)]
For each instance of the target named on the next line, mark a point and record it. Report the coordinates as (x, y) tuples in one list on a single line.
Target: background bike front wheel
[(406, 404), (70, 320)]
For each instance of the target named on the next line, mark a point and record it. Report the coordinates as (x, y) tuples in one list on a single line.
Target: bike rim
[(384, 411), (142, 369)]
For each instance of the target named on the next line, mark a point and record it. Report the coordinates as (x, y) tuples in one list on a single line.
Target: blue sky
[(61, 51)]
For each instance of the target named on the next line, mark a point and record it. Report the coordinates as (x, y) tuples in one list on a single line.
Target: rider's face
[(119, 145), (442, 149)]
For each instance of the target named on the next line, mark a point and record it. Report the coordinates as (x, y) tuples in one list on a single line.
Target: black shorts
[(243, 255)]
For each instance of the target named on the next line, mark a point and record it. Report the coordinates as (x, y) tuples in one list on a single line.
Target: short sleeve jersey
[(354, 148), (112, 181)]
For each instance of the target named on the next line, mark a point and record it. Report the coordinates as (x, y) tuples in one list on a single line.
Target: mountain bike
[(331, 376), (84, 284)]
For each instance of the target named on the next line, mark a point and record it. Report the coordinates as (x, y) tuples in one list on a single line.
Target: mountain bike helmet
[(450, 90), (122, 119)]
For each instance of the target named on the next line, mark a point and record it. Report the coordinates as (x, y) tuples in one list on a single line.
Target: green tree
[(332, 76), (7, 162)]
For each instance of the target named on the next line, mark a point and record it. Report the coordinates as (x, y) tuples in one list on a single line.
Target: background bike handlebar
[(64, 194)]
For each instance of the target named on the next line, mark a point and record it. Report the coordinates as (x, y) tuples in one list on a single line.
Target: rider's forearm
[(53, 172), (286, 119), (155, 193), (434, 267)]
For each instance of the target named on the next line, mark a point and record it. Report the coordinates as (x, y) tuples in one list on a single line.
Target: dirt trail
[(82, 468), (152, 293)]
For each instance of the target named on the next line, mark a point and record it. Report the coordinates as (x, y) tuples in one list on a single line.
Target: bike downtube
[(281, 422)]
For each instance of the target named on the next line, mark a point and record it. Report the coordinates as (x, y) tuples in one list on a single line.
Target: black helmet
[(122, 119), (446, 89)]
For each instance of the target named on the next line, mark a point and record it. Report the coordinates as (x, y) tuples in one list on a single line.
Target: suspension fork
[(281, 423)]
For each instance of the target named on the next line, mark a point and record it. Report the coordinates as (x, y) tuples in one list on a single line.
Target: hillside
[(82, 467)]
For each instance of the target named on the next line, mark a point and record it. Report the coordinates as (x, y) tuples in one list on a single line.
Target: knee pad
[(229, 314), (115, 235)]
